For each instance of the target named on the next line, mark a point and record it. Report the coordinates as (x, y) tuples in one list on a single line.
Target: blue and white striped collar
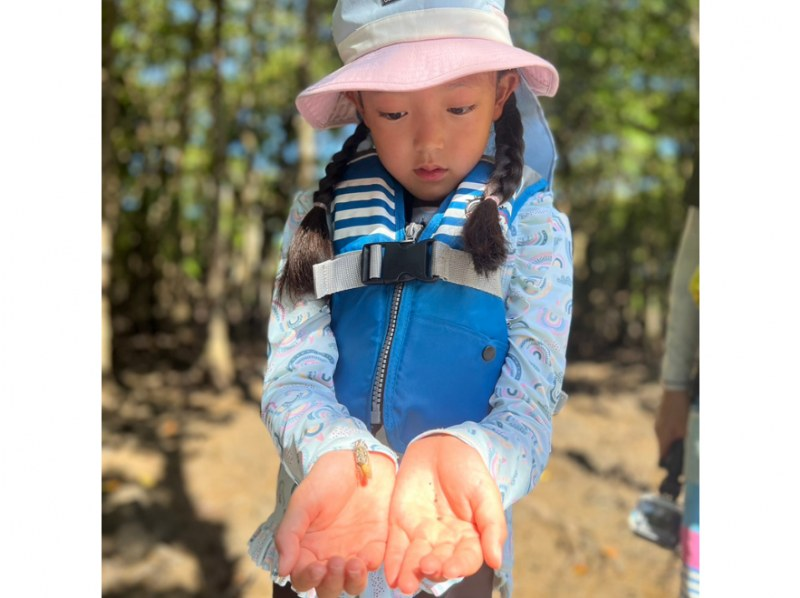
[(368, 206)]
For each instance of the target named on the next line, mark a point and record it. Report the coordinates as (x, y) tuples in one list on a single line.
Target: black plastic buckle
[(400, 262)]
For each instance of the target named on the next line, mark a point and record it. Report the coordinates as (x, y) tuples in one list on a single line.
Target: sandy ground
[(188, 474)]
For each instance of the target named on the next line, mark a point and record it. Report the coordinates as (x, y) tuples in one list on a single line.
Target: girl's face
[(430, 139)]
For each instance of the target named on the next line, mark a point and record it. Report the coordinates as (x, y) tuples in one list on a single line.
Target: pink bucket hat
[(406, 45)]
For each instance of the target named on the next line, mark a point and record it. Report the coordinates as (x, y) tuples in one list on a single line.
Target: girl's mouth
[(430, 174)]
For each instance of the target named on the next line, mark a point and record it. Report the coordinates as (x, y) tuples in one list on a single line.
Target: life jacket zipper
[(413, 231), (378, 388)]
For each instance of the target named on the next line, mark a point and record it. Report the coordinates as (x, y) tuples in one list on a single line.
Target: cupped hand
[(446, 515), (336, 525)]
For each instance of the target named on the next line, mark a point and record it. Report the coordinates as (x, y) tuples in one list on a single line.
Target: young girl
[(418, 331)]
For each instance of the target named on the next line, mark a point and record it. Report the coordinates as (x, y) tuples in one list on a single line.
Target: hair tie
[(474, 203), (324, 206)]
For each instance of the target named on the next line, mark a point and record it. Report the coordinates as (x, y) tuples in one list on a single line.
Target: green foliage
[(191, 157), (200, 138), (626, 126)]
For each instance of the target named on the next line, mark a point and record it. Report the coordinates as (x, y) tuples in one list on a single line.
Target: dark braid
[(509, 152), (483, 236), (312, 241)]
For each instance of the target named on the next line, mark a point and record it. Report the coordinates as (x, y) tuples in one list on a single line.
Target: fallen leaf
[(611, 552), (580, 569), (111, 485)]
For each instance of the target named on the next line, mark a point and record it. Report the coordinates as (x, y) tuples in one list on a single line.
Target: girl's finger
[(372, 555), (355, 576), (466, 559), (410, 576), (287, 541), (396, 547), (490, 521), (431, 564), (333, 582), (492, 539), (290, 533), (308, 577)]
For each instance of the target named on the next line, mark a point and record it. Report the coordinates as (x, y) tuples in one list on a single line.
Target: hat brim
[(410, 66)]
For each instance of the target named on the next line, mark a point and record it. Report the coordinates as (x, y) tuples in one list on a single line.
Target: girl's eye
[(461, 110), (392, 115)]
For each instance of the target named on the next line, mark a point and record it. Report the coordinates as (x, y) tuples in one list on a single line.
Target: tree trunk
[(110, 186), (307, 147), (217, 353), (247, 264), (307, 167)]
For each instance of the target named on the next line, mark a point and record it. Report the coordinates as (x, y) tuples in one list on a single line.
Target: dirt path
[(189, 474)]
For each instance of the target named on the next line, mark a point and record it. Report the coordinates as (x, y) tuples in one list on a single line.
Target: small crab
[(363, 467)]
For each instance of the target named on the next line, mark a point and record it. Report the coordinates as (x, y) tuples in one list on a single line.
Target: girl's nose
[(429, 134)]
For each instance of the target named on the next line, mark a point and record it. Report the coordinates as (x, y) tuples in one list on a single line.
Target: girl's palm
[(335, 528), (446, 516)]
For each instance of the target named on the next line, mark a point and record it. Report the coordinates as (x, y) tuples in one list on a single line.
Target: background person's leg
[(690, 529)]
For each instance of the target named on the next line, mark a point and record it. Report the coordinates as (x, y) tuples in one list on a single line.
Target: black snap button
[(489, 353)]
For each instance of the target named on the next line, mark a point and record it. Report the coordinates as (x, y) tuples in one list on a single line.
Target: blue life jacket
[(414, 355)]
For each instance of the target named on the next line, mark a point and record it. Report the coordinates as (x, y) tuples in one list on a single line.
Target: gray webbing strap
[(343, 272)]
